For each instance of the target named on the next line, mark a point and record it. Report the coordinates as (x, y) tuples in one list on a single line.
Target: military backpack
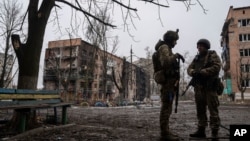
[(159, 75)]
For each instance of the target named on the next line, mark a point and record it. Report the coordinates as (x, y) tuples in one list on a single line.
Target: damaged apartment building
[(235, 43), (79, 68)]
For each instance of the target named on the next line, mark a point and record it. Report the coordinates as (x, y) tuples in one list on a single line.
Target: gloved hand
[(196, 73), (179, 56), (203, 72)]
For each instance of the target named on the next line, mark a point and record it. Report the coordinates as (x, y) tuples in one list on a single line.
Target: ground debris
[(130, 123)]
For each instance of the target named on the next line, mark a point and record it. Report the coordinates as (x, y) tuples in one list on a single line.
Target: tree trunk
[(28, 54), (242, 96)]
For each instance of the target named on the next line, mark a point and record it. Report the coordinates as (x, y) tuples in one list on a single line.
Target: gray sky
[(193, 25)]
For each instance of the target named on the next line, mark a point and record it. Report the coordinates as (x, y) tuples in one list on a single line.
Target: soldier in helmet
[(168, 61), (205, 70)]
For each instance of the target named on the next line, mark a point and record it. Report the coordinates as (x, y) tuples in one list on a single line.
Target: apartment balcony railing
[(50, 77)]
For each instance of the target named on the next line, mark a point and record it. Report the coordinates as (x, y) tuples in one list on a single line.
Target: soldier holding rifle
[(166, 74), (205, 70)]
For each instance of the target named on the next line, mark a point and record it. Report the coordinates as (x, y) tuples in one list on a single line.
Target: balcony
[(49, 78)]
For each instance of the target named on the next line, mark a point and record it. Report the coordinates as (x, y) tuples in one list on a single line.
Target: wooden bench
[(23, 101)]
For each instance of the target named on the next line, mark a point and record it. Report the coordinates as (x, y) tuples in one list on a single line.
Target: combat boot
[(172, 134), (169, 138), (200, 133), (215, 134)]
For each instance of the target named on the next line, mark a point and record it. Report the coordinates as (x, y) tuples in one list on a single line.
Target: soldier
[(205, 70), (167, 73)]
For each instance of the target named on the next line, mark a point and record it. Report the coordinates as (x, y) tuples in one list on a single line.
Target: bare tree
[(123, 77), (28, 52), (54, 68), (10, 20), (183, 69), (242, 76), (38, 12), (97, 33)]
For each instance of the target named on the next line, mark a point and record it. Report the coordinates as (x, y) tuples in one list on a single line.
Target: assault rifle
[(177, 87), (177, 82), (191, 83)]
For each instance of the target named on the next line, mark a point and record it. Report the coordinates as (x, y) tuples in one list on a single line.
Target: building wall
[(60, 59), (86, 70), (231, 32), (147, 66)]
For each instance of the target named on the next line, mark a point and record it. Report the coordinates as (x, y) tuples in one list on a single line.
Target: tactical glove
[(179, 56), (196, 74)]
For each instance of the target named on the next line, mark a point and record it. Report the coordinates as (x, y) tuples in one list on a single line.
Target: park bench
[(23, 101)]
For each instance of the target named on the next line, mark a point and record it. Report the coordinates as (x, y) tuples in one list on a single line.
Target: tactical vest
[(156, 62), (203, 63)]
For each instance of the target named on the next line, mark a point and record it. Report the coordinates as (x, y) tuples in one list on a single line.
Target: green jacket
[(167, 60), (208, 65)]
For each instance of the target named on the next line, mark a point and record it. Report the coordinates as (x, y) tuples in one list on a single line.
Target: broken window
[(240, 37), (243, 22), (246, 52), (241, 52), (245, 83), (244, 37)]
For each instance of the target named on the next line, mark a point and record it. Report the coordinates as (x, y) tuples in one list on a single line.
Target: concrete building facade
[(76, 66), (235, 42)]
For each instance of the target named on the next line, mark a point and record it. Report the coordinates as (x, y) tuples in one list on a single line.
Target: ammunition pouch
[(159, 77), (171, 73), (213, 83), (219, 86), (198, 81)]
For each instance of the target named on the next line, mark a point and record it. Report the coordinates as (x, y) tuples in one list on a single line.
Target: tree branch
[(204, 10), (123, 5), (85, 13), (114, 79), (155, 3)]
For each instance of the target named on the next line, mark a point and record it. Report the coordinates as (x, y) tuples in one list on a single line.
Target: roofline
[(86, 43), (238, 8), (65, 40)]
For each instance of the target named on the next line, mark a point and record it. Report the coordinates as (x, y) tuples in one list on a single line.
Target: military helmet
[(171, 35), (204, 42)]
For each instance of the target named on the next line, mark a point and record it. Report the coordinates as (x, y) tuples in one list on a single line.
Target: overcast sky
[(193, 24)]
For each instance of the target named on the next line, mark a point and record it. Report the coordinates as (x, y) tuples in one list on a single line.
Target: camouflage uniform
[(209, 66), (168, 90)]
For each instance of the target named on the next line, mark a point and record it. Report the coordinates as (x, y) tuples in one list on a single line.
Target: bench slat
[(3, 90), (25, 106), (25, 91), (61, 104), (28, 96), (35, 106), (25, 102)]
